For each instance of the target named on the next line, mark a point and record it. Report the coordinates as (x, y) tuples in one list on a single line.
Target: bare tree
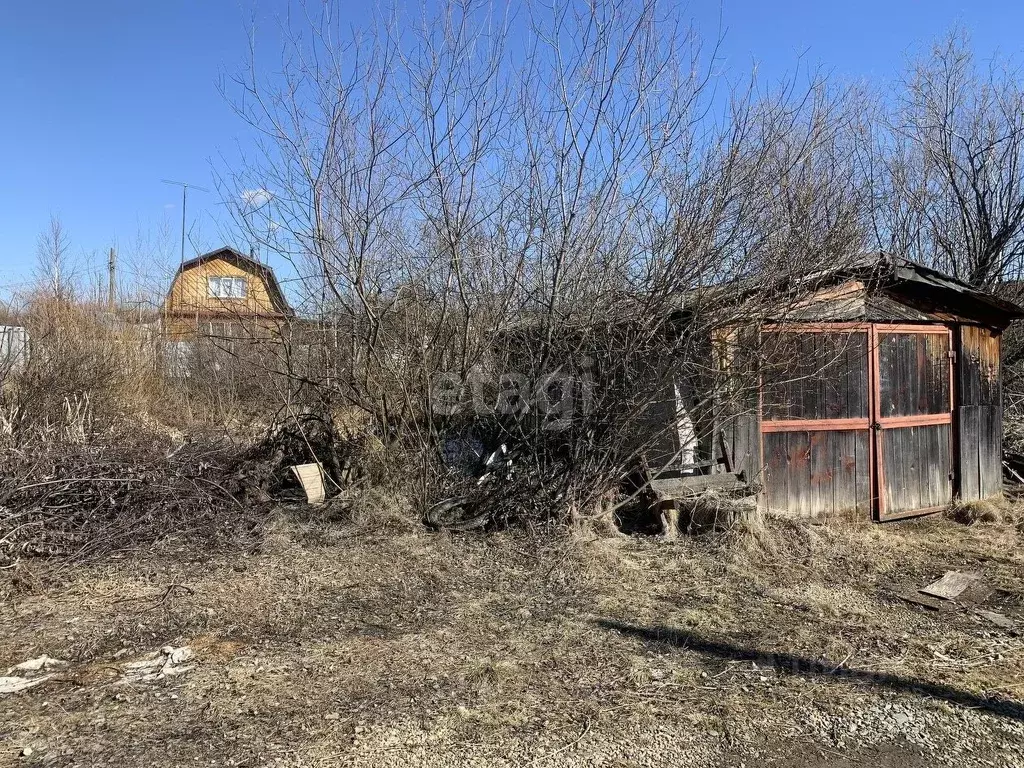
[(533, 225), (147, 265), (53, 265), (951, 190)]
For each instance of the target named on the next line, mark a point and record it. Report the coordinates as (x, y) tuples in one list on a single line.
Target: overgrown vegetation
[(527, 245)]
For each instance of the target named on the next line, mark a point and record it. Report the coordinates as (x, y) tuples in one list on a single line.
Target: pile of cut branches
[(83, 501), (300, 439)]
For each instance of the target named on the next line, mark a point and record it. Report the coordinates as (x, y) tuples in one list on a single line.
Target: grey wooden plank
[(776, 480), (968, 365), (894, 454), (819, 470), (931, 458), (683, 487), (858, 363), (863, 471), (946, 476), (938, 476), (890, 471), (990, 452), (969, 454), (844, 465), (950, 585), (799, 474)]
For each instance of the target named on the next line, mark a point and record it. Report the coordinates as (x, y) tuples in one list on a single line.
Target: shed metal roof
[(916, 285)]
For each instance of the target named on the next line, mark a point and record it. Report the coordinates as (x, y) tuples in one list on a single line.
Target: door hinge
[(951, 355)]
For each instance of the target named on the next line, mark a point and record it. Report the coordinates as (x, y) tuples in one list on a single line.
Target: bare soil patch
[(334, 644)]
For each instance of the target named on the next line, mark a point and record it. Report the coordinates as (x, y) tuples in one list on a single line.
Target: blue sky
[(103, 99)]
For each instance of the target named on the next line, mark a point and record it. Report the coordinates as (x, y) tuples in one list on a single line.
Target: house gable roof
[(248, 264)]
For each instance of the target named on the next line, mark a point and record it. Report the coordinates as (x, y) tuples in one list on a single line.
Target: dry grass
[(984, 511), (347, 644), (714, 510)]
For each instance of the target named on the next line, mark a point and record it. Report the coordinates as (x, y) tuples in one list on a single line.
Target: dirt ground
[(337, 644)]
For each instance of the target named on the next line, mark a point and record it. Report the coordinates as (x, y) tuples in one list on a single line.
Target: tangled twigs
[(84, 501)]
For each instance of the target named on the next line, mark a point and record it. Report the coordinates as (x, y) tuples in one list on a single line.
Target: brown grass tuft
[(993, 510)]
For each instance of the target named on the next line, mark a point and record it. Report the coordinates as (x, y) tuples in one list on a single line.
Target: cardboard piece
[(311, 477), (951, 585)]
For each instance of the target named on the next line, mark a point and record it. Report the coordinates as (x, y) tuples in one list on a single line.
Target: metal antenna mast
[(184, 201)]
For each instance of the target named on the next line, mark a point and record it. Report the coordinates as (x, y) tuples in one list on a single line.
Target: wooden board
[(951, 585), (818, 472), (979, 415), (816, 444), (741, 418), (311, 477), (813, 376), (669, 489), (917, 464), (913, 414)]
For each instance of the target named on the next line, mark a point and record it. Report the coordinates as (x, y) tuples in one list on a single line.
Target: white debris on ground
[(37, 664), (15, 684), (29, 677), (169, 661)]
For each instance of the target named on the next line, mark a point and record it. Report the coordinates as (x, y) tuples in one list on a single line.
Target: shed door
[(913, 415), (816, 425)]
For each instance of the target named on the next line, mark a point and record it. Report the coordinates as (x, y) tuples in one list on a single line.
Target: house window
[(227, 287)]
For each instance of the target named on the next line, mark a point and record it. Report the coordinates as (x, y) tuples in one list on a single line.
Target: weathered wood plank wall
[(740, 419), (979, 413), (819, 376), (189, 294), (916, 471), (818, 472)]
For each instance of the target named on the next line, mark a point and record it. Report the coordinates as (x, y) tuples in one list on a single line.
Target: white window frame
[(227, 287)]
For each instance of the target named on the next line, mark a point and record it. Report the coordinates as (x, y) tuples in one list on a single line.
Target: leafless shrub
[(523, 224), (82, 368)]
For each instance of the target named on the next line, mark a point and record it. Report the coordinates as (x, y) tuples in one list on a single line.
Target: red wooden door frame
[(881, 423), (874, 422), (828, 425)]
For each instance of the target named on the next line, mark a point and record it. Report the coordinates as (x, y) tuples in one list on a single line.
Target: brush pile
[(301, 439), (128, 490), (83, 501)]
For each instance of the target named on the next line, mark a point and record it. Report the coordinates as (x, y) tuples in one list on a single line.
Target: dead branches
[(86, 501)]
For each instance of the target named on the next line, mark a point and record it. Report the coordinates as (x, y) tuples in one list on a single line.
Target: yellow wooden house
[(224, 294)]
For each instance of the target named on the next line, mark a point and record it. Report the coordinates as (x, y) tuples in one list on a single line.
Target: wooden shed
[(224, 294), (881, 398)]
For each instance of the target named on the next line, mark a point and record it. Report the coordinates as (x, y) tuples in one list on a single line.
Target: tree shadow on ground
[(792, 664)]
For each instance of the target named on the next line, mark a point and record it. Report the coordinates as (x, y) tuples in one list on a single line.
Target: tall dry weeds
[(84, 370)]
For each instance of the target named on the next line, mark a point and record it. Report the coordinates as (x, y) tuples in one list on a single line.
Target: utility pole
[(112, 280)]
